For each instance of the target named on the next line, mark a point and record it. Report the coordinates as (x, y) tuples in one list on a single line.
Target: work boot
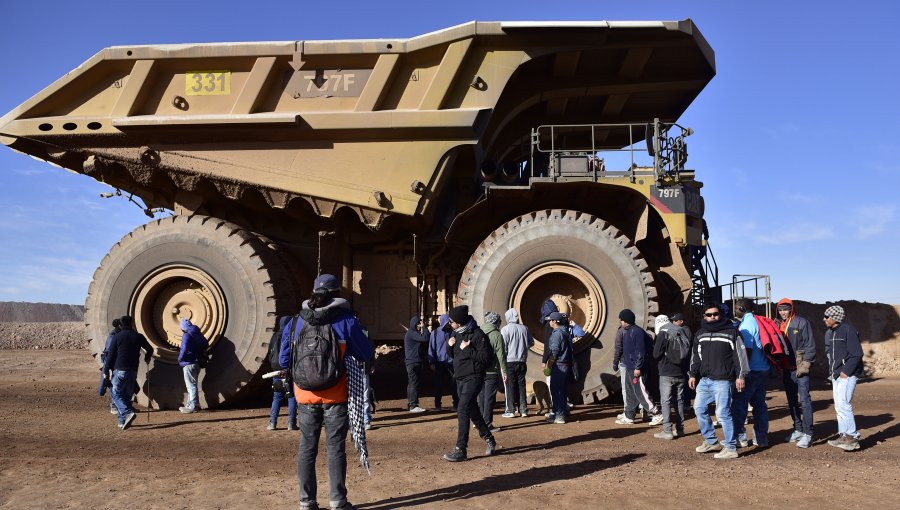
[(457, 455), (491, 446)]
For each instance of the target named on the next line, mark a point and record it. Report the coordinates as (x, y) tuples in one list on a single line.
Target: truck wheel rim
[(573, 289), (176, 292)]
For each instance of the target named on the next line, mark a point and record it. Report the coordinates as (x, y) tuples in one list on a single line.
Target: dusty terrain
[(60, 448)]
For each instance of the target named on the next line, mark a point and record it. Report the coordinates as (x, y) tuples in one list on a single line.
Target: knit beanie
[(492, 318), (836, 313), (459, 314), (661, 320), (627, 316)]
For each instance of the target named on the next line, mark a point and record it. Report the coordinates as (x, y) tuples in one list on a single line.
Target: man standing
[(122, 360), (754, 393), (718, 358), (517, 340), (415, 340), (104, 381), (496, 371), (560, 363), (637, 361), (799, 335), (471, 354), (326, 406), (441, 363), (619, 366), (678, 320), (672, 376), (845, 365), (193, 343)]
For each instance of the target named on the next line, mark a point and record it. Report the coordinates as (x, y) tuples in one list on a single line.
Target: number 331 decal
[(207, 83)]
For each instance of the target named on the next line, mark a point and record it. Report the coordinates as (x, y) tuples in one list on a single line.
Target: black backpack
[(275, 348), (679, 348), (316, 356)]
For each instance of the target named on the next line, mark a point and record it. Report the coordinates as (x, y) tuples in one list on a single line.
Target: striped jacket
[(719, 355)]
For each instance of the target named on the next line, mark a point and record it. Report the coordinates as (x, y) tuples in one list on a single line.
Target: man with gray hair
[(496, 370), (517, 340), (845, 366)]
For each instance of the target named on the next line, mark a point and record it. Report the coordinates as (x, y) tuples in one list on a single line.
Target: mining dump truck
[(495, 164)]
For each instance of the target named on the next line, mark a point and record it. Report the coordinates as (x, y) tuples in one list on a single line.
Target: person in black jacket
[(845, 366), (672, 378), (802, 345), (122, 360), (414, 342), (471, 352)]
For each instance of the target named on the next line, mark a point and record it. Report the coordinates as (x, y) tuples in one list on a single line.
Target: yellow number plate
[(207, 83)]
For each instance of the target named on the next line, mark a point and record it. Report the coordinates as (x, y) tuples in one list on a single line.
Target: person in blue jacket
[(192, 344), (441, 363)]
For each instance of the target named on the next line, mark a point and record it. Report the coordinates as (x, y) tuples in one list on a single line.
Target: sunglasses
[(716, 314)]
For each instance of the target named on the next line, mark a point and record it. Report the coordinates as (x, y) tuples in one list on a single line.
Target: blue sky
[(795, 137)]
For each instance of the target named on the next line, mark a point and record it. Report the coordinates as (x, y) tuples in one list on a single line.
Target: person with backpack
[(441, 363), (314, 345), (671, 350), (799, 336), (282, 387), (754, 392), (471, 352), (636, 357), (845, 366), (193, 346)]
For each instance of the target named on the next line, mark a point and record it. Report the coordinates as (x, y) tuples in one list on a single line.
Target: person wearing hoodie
[(517, 340), (798, 333), (192, 344), (619, 366), (559, 361), (413, 343), (471, 352), (441, 363), (496, 372), (754, 394), (636, 358), (672, 378), (845, 366), (325, 407), (718, 361), (546, 309)]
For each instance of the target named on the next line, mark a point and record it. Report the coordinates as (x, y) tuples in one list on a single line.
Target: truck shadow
[(502, 483)]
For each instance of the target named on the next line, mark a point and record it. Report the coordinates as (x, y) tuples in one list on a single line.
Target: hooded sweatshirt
[(718, 352), (665, 333), (634, 347), (414, 341), (472, 361), (498, 364), (798, 332), (437, 343), (192, 343), (516, 338)]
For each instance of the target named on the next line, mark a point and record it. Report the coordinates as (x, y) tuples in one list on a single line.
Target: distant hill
[(15, 311)]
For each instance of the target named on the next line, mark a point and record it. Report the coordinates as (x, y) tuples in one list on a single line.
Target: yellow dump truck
[(496, 164)]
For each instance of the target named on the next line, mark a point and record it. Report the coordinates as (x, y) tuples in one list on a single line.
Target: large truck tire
[(585, 265), (221, 277)]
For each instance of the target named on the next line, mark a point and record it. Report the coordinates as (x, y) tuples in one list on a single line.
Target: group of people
[(728, 363)]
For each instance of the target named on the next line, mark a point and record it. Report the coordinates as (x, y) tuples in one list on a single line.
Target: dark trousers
[(443, 381), (515, 386), (640, 395), (559, 387), (336, 421), (467, 409), (754, 394), (414, 372), (488, 397), (799, 401)]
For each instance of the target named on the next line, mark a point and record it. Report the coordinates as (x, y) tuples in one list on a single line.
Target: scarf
[(355, 408)]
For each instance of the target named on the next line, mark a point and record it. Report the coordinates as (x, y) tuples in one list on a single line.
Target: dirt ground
[(60, 448)]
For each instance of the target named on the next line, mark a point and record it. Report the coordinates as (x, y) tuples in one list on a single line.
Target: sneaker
[(664, 435), (624, 420), (850, 443), (548, 415), (657, 419), (678, 432), (760, 444), (368, 426), (113, 410), (309, 506), (620, 415), (187, 410), (508, 415), (837, 441), (523, 413), (560, 420), (706, 447), (794, 437), (417, 409), (346, 506), (293, 426), (457, 455), (129, 418), (726, 454), (270, 426), (491, 446), (743, 443), (805, 441)]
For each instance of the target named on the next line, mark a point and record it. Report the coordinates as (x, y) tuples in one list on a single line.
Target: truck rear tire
[(587, 266), (226, 280)]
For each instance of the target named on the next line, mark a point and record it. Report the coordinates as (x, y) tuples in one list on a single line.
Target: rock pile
[(42, 335)]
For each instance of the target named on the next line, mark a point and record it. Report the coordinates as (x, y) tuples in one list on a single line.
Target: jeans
[(709, 391), (515, 386), (842, 390), (559, 385), (754, 394), (639, 396), (123, 384), (414, 374), (801, 408), (336, 421), (368, 398), (190, 381), (443, 380), (626, 396), (467, 409), (672, 388), (277, 398), (488, 397)]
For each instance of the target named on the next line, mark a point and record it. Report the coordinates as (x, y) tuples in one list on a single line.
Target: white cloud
[(796, 233), (873, 220)]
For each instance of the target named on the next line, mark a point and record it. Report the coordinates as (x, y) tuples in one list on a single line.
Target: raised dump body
[(462, 166)]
